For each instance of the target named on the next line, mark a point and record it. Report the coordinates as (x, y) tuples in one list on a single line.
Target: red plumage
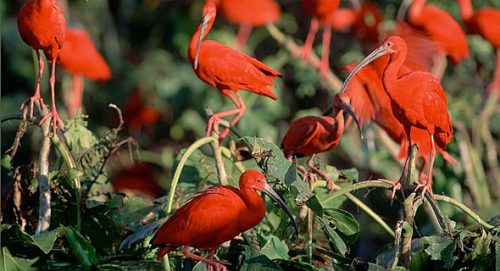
[(42, 26), (441, 27), (227, 70)]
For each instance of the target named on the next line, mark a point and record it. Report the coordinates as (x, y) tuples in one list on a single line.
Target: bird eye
[(389, 43), (258, 180)]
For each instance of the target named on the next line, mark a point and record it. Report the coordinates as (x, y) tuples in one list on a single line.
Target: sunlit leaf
[(256, 261), (11, 263), (83, 250), (344, 221), (275, 249), (334, 237), (440, 248)]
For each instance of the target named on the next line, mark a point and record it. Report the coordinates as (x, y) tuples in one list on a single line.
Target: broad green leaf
[(13, 233), (45, 241), (11, 263), (344, 221), (256, 261), (83, 250), (440, 248), (334, 237), (275, 249), (200, 267), (314, 204)]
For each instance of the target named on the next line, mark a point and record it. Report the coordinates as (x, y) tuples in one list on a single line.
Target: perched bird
[(417, 100), (486, 23), (442, 28), (248, 14), (371, 103), (42, 26), (80, 58), (321, 11), (215, 216), (311, 135), (227, 70)]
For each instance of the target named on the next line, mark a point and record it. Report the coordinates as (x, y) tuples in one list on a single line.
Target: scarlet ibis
[(139, 179), (215, 216), (248, 14), (441, 27), (321, 11), (42, 26), (137, 114), (310, 135), (371, 103), (80, 58), (227, 70), (484, 22), (417, 99)]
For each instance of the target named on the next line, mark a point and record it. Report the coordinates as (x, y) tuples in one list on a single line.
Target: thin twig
[(465, 209), (397, 244), (330, 80), (219, 163), (43, 181)]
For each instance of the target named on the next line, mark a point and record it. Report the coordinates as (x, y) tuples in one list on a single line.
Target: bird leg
[(56, 121), (495, 83), (73, 98), (242, 37), (210, 263), (214, 119), (428, 184), (439, 66), (35, 96), (305, 51), (327, 36), (241, 110), (310, 164)]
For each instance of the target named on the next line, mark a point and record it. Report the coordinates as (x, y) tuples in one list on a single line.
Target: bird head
[(209, 13), (391, 45), (256, 180)]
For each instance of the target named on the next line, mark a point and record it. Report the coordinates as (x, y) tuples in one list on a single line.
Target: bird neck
[(255, 207), (415, 9), (196, 36), (337, 128), (390, 76), (466, 9)]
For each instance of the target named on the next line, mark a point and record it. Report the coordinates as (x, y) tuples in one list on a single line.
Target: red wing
[(301, 132)]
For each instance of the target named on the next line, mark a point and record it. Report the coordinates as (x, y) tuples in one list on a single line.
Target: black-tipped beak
[(380, 51), (268, 190), (348, 110), (206, 19)]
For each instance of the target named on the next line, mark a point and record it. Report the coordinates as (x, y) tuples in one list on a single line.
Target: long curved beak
[(268, 190), (380, 51), (206, 19), (348, 110)]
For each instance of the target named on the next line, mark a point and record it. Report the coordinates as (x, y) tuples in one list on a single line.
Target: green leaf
[(481, 246), (77, 135), (5, 162), (275, 249), (344, 221), (314, 204), (13, 233), (440, 248), (256, 261), (11, 263), (83, 250), (45, 241), (200, 267), (334, 237)]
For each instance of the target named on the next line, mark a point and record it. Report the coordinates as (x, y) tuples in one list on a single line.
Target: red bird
[(81, 59), (311, 135), (227, 70), (417, 99), (248, 14), (486, 23), (215, 216), (322, 12), (138, 114), (442, 28), (371, 103), (42, 26)]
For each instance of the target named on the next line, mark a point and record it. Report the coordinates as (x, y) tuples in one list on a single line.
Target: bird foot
[(396, 185), (56, 121), (427, 187), (30, 102), (217, 266)]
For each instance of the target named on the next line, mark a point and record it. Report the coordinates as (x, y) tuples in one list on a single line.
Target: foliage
[(95, 225)]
